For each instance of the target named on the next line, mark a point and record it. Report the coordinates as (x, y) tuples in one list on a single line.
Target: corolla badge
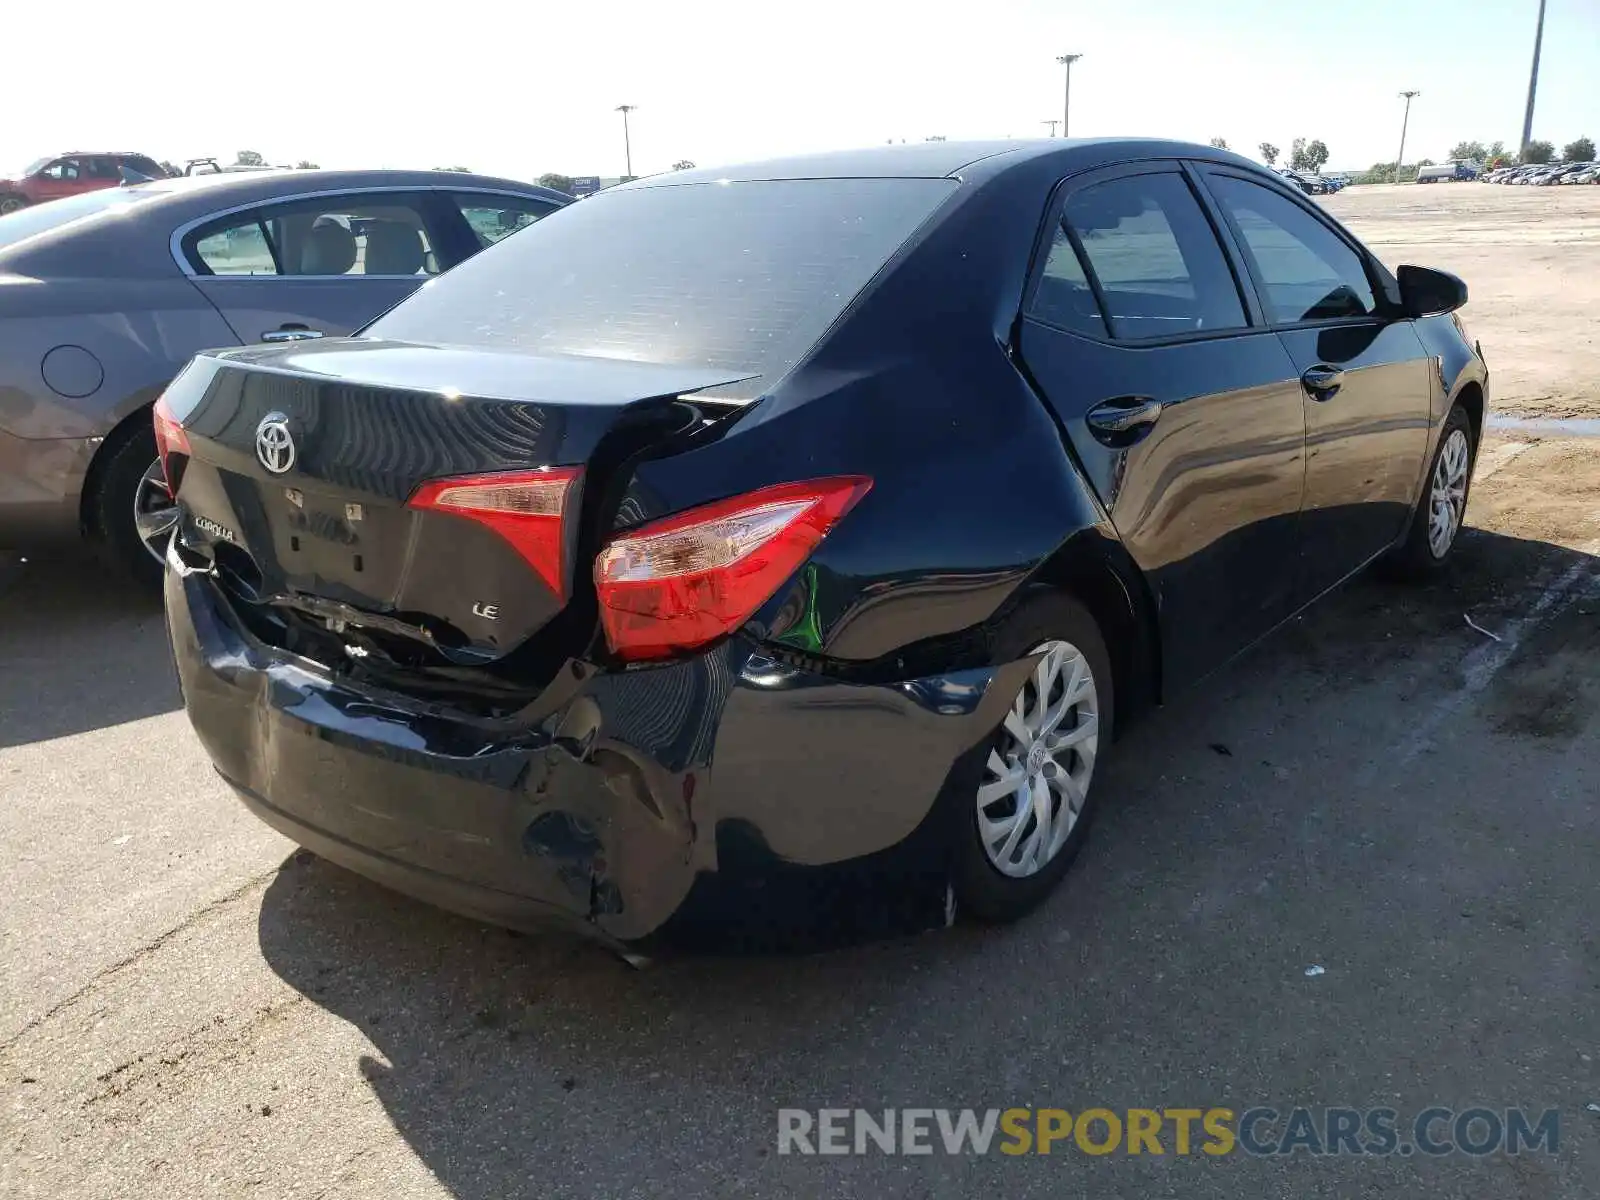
[(274, 445)]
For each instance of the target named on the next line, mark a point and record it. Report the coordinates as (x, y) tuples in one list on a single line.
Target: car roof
[(943, 160), (247, 187), (138, 243)]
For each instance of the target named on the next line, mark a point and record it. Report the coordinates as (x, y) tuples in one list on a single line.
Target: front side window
[(378, 234), (1155, 257), (62, 168), (1305, 270), (494, 218)]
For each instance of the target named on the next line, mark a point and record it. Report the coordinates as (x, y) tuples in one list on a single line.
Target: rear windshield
[(42, 218), (742, 276)]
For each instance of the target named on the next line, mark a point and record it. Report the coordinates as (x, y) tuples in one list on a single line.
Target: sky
[(518, 89)]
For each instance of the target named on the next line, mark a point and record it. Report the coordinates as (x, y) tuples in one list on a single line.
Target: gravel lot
[(191, 1008), (1531, 259)]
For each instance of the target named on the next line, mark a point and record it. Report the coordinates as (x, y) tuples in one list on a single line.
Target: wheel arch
[(1472, 400), (131, 424), (1099, 572)]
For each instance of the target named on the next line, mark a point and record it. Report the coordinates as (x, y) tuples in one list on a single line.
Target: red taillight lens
[(170, 437), (526, 508), (683, 582)]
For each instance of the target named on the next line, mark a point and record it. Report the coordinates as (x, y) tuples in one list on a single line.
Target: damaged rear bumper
[(725, 802)]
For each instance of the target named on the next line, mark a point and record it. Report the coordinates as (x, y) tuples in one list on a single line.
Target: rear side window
[(1064, 298), (493, 218), (1154, 255), (1306, 271), (353, 234), (742, 276)]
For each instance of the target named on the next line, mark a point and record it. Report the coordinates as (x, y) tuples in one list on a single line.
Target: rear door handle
[(1322, 381), (1122, 422), (290, 333)]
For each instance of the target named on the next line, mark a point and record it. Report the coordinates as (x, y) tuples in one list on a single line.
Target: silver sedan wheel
[(154, 513), (1037, 776), (1447, 500)]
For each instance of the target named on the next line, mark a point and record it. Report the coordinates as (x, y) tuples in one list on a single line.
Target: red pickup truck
[(68, 174)]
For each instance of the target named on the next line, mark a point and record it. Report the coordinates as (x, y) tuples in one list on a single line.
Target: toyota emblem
[(274, 445)]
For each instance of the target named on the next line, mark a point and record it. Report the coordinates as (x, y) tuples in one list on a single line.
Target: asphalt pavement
[(190, 1007)]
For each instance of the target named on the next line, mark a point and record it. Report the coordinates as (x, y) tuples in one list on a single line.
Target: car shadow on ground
[(1237, 851), (81, 648)]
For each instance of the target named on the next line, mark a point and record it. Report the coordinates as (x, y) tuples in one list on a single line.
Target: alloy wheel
[(1037, 776), (12, 204), (1447, 500), (154, 513)]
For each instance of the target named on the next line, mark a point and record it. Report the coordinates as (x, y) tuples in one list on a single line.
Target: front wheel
[(1442, 509), (11, 204), (1034, 801)]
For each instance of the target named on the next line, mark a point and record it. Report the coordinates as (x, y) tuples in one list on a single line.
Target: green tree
[(1538, 152), (683, 164), (462, 170), (305, 164), (1269, 153), (561, 183), (249, 158), (1470, 151), (1220, 143), (1308, 156), (1581, 150)]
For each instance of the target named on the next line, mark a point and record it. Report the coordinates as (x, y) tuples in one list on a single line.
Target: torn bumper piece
[(726, 802)]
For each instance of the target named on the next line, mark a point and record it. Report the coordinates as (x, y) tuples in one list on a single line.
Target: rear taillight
[(527, 508), (170, 437), (680, 583)]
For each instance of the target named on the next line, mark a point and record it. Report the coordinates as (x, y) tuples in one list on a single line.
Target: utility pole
[(1052, 125), (1404, 121), (1066, 105), (1533, 84), (627, 144)]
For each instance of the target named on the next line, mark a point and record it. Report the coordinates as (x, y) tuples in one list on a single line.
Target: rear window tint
[(743, 276)]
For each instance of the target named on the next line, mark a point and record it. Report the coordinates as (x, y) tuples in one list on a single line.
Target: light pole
[(1533, 83), (627, 144), (1052, 125), (1404, 121), (1067, 60)]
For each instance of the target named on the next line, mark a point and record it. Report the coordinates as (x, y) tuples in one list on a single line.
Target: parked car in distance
[(792, 585), (104, 297), (1310, 184), (72, 174)]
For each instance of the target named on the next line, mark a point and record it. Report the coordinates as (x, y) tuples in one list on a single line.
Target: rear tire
[(1441, 509), (1070, 721), (121, 487)]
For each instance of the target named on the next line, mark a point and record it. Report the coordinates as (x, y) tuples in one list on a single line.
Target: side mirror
[(1425, 292)]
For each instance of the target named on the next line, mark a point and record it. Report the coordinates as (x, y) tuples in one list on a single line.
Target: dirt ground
[(1398, 790), (1531, 259)]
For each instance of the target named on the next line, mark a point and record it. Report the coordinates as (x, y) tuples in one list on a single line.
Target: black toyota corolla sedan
[(773, 552)]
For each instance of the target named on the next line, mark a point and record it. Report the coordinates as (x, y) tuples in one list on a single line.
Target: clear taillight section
[(680, 583), (170, 437), (526, 508)]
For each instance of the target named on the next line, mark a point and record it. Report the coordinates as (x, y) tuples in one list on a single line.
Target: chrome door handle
[(1322, 381), (1123, 421)]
